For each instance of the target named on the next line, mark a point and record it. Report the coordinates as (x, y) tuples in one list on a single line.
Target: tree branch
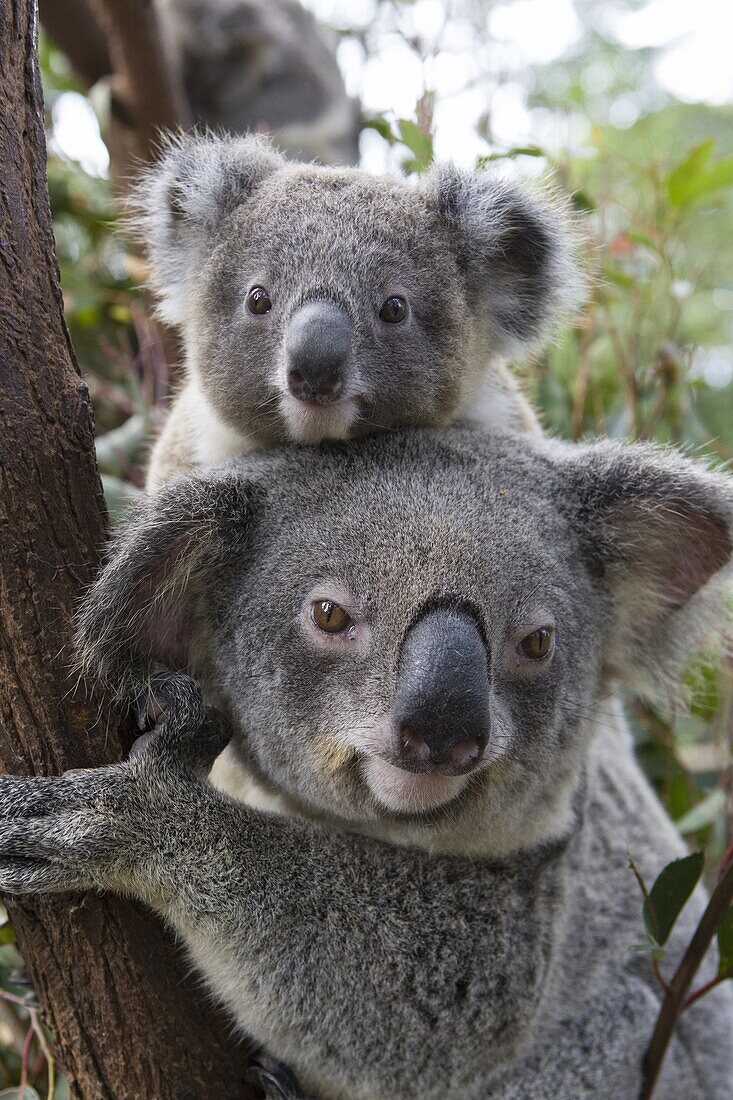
[(674, 1000), (147, 81), (75, 29), (127, 1020)]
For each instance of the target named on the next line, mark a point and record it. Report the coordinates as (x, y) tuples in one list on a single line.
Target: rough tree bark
[(128, 1023)]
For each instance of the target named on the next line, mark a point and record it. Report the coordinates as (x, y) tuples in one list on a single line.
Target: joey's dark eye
[(393, 310), (330, 617), (258, 301), (538, 644)]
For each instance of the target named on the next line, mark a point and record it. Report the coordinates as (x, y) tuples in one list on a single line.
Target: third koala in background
[(263, 65), (321, 303)]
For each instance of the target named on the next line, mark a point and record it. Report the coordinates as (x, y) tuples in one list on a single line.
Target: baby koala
[(323, 303), (414, 640)]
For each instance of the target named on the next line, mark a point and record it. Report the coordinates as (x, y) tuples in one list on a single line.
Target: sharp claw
[(147, 710), (275, 1079)]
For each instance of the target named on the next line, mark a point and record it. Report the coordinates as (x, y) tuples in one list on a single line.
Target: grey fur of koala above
[(398, 934)]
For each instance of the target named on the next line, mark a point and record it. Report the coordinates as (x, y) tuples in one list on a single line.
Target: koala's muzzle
[(441, 707), (317, 345)]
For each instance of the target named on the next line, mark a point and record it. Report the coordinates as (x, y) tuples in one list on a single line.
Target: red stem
[(698, 993)]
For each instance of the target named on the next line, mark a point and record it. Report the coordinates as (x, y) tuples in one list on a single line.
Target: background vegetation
[(651, 356)]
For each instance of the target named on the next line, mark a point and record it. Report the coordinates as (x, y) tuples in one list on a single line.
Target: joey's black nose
[(317, 345), (441, 707)]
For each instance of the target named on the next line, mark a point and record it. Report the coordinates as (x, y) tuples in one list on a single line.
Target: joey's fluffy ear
[(517, 250), (179, 203), (660, 529), (140, 611)]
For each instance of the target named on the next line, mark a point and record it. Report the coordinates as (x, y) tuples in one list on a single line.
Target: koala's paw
[(58, 834), (103, 827), (184, 734)]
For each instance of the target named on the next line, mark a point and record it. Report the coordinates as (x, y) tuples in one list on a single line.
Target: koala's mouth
[(409, 792), (311, 421)]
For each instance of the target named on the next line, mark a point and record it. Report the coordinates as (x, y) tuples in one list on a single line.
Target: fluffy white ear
[(659, 528), (181, 201), (517, 250)]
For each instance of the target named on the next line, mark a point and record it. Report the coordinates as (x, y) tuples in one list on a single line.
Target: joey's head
[(407, 628), (321, 303)]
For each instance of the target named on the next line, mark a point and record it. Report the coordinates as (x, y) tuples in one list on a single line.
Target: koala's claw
[(195, 745), (87, 827), (175, 724), (274, 1079), (168, 695)]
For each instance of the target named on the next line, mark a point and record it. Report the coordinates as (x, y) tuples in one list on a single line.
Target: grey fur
[(263, 65), (478, 949), (487, 267)]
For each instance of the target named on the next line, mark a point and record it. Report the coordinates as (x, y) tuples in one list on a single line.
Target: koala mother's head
[(321, 303), (409, 627)]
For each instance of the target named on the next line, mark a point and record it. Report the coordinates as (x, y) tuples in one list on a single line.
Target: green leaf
[(725, 943), (7, 935), (669, 894), (583, 202), (381, 125), (688, 171), (510, 154), (418, 142), (640, 237), (117, 450), (704, 814), (648, 948), (696, 179), (717, 179)]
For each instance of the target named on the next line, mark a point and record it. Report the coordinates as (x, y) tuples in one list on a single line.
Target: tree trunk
[(128, 1023)]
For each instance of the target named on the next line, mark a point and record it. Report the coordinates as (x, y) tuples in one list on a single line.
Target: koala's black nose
[(441, 708), (317, 345)]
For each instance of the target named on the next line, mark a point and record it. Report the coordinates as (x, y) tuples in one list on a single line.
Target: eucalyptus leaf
[(688, 171), (669, 894), (417, 141), (725, 943), (704, 814)]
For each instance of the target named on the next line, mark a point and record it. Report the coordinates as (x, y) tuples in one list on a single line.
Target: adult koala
[(320, 303), (414, 640), (263, 65)]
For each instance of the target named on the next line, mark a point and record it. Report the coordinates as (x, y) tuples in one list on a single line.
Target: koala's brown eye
[(538, 644), (332, 618), (393, 311), (258, 301)]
